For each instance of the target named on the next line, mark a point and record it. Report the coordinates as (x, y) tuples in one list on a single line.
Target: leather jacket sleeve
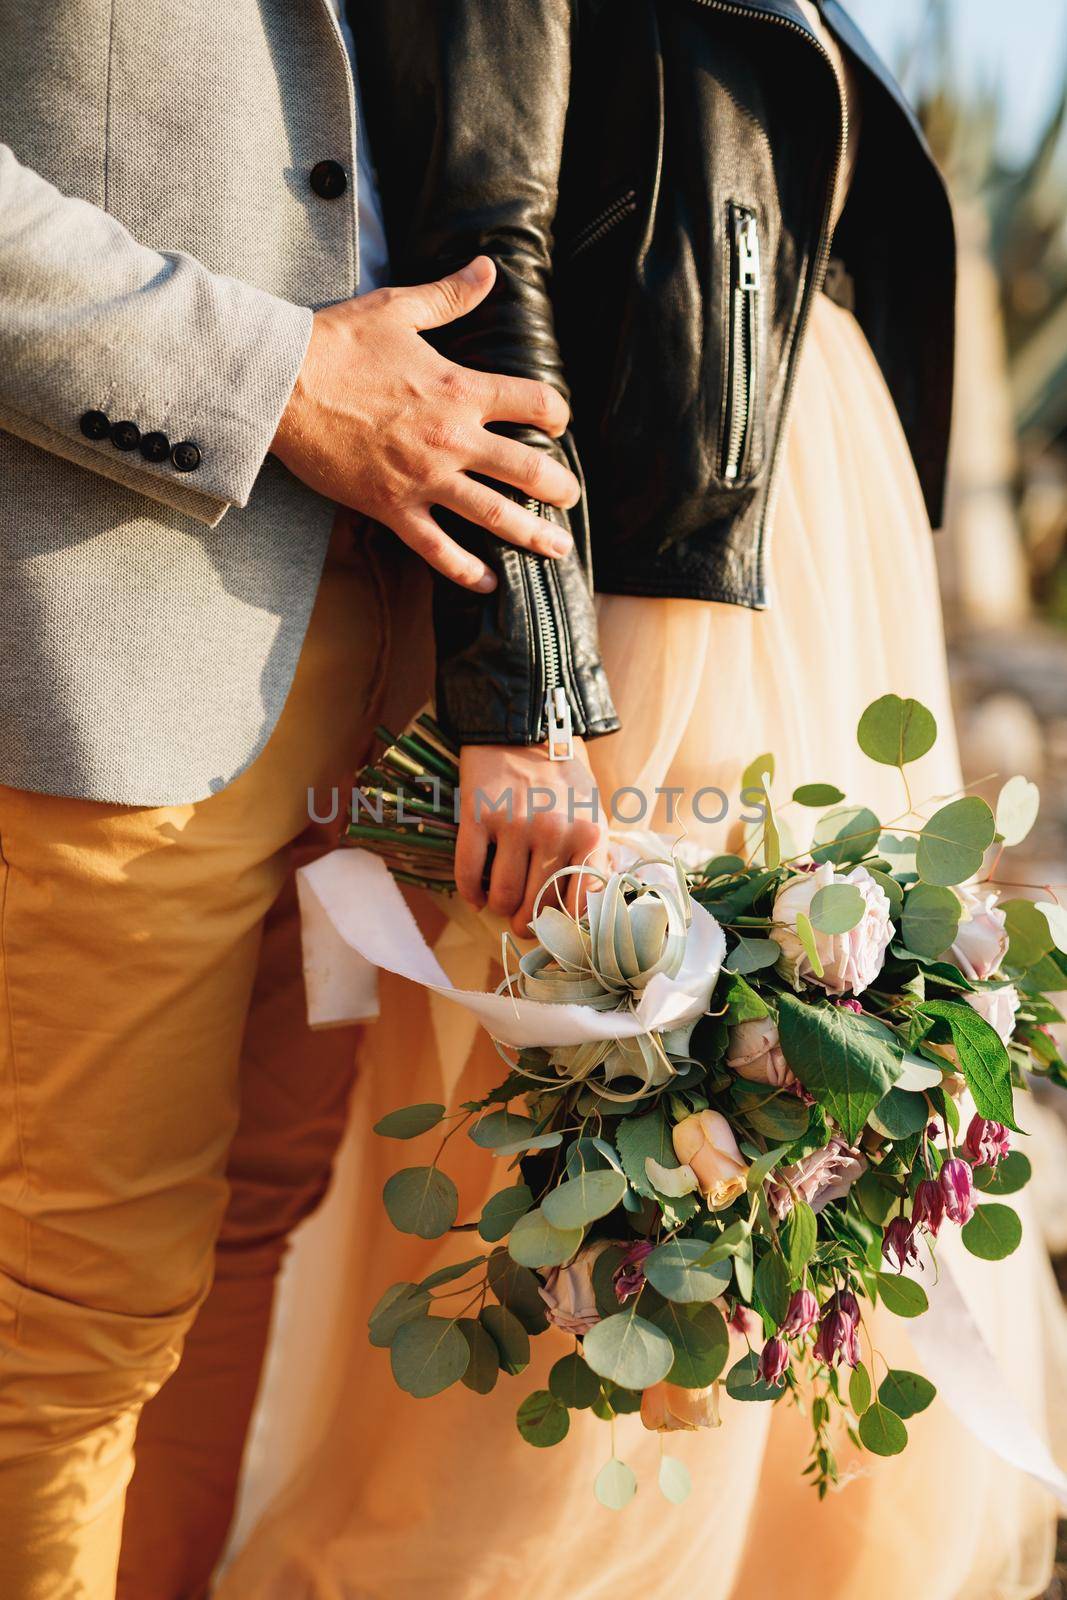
[(466, 102)]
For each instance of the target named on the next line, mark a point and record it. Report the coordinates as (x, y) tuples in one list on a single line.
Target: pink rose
[(998, 1007), (981, 939), (568, 1291), (825, 1175), (705, 1143), (850, 961), (666, 1408), (754, 1053)]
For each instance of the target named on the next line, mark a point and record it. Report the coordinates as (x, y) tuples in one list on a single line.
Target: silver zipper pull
[(560, 726), (748, 263)]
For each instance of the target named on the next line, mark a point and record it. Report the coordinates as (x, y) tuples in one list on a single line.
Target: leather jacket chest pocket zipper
[(742, 340)]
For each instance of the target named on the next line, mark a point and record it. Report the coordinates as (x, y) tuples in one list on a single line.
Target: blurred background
[(989, 81)]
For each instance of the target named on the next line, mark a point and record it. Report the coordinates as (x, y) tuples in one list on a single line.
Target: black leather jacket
[(654, 180)]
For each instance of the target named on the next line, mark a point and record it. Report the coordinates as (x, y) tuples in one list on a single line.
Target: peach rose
[(754, 1053), (850, 961), (981, 940), (706, 1145), (667, 1408), (568, 1291)]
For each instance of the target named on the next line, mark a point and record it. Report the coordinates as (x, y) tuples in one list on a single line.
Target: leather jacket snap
[(654, 179)]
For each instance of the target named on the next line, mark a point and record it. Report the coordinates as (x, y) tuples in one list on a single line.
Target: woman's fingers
[(472, 847), (507, 882)]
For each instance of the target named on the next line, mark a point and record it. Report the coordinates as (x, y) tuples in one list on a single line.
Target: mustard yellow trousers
[(154, 1065)]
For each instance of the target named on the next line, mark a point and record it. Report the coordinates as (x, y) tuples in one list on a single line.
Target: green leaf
[(952, 845), (817, 794), (499, 1128), (458, 1269), (484, 1365), (615, 1485), (891, 889), (672, 1269), (905, 1393), (763, 1166), (743, 1381), (882, 1432), (428, 1356), (772, 839), (777, 1115), (800, 1234), (1056, 917), (1029, 935), (838, 908), (401, 1302), (421, 1200), (742, 1002), (772, 1286), (638, 1138), (628, 1350), (542, 1419), (510, 1337), (859, 1389), (501, 1211), (410, 1121), (903, 1296), (895, 731), (899, 1113), (1017, 806), (844, 1062), (517, 1288), (752, 955), (581, 1200), (758, 773), (845, 835), (700, 1341), (993, 1232), (1008, 1176), (574, 1383), (806, 935), (722, 867), (534, 1242), (930, 919), (983, 1059), (675, 1484)]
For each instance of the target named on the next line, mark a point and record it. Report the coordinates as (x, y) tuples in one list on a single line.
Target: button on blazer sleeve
[(90, 320)]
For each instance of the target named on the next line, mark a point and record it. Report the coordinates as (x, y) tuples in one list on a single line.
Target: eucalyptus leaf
[(542, 1419), (1010, 1174), (1029, 934), (752, 955), (743, 1381), (458, 1269), (501, 1211), (1056, 917), (629, 1350), (615, 1485), (421, 1200), (903, 1296), (800, 1235), (699, 1339), (534, 1242), (806, 935), (882, 1432), (772, 1286), (498, 1128), (581, 1200), (483, 1369), (428, 1355), (510, 1337), (993, 1232), (817, 794), (410, 1121), (895, 731), (401, 1302), (905, 1393), (859, 1389), (930, 919), (838, 908), (899, 1113), (952, 845), (673, 1269), (845, 835), (518, 1289), (1017, 806), (574, 1383), (675, 1484)]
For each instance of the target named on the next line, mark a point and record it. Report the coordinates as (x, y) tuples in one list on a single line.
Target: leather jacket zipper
[(554, 719), (822, 256), (743, 341)]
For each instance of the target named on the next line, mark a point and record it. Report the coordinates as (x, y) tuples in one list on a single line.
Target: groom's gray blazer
[(160, 243)]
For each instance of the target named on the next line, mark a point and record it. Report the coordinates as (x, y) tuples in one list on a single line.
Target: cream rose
[(850, 961), (568, 1291), (755, 1053), (981, 940), (706, 1145), (667, 1408), (998, 1007), (825, 1175)]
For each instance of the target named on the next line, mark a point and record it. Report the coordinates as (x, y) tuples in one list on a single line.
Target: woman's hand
[(539, 814)]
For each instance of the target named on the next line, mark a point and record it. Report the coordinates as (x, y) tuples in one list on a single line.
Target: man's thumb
[(433, 304)]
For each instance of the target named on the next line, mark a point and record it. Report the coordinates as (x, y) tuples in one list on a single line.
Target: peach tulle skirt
[(362, 1493)]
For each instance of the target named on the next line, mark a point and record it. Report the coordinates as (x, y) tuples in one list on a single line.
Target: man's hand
[(381, 423), (552, 824)]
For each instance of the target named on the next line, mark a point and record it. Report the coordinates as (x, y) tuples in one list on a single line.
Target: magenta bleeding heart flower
[(837, 1340), (986, 1142), (802, 1314), (774, 1362), (629, 1275), (957, 1190), (928, 1207), (745, 1321), (898, 1243)]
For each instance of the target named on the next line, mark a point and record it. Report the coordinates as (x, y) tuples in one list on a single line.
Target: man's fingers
[(472, 847), (504, 517), (431, 305), (421, 533), (525, 400), (533, 471)]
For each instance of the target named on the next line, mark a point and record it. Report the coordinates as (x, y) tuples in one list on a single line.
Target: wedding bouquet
[(717, 1200)]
